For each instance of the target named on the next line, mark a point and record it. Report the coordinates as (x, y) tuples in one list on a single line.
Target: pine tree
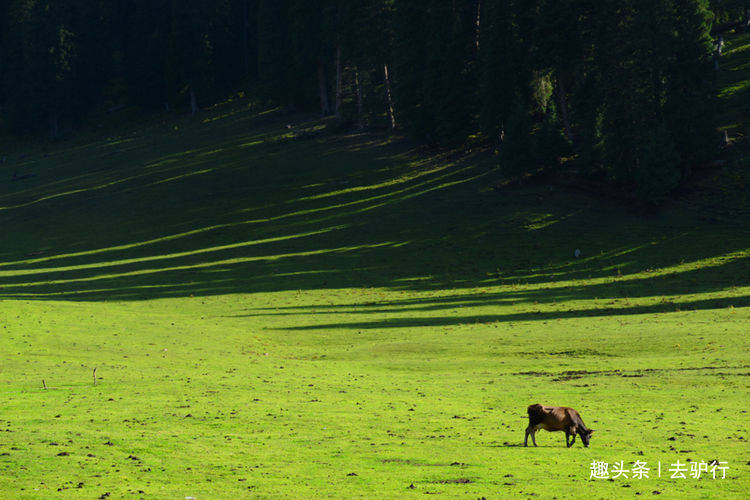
[(434, 68), (689, 93), (409, 64), (190, 50), (505, 71), (727, 10), (148, 76), (273, 49), (42, 54), (366, 31), (629, 65), (450, 81), (655, 84), (559, 47)]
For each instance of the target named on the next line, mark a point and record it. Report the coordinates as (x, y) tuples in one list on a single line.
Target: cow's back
[(551, 418), (572, 414)]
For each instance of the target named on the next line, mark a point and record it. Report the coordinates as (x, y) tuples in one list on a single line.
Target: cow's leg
[(573, 441), (533, 436), (567, 439), (529, 430)]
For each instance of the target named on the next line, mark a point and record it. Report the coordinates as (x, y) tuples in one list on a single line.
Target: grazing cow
[(557, 418)]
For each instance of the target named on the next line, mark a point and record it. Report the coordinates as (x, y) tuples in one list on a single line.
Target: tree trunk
[(325, 110), (718, 49), (479, 11), (339, 85), (358, 88), (193, 102), (245, 37), (564, 109), (389, 96), (54, 125)]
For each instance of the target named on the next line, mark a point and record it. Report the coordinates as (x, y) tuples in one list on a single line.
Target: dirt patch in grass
[(577, 374), (420, 463), (572, 353)]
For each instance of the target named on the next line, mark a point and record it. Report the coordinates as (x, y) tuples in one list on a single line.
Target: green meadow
[(274, 311)]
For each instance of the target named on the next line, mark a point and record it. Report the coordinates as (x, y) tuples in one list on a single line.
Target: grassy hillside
[(273, 311)]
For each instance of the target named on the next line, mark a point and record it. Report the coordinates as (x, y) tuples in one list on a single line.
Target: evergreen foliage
[(623, 86)]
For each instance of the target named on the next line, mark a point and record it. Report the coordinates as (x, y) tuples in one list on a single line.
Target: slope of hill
[(276, 311)]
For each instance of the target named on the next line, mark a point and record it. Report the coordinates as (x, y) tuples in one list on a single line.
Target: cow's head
[(586, 437)]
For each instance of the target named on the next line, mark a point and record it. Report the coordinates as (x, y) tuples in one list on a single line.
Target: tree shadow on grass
[(205, 214), (415, 322)]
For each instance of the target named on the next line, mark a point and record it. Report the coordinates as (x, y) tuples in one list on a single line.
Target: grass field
[(276, 312)]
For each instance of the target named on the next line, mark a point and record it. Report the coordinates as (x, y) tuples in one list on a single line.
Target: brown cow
[(557, 418)]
